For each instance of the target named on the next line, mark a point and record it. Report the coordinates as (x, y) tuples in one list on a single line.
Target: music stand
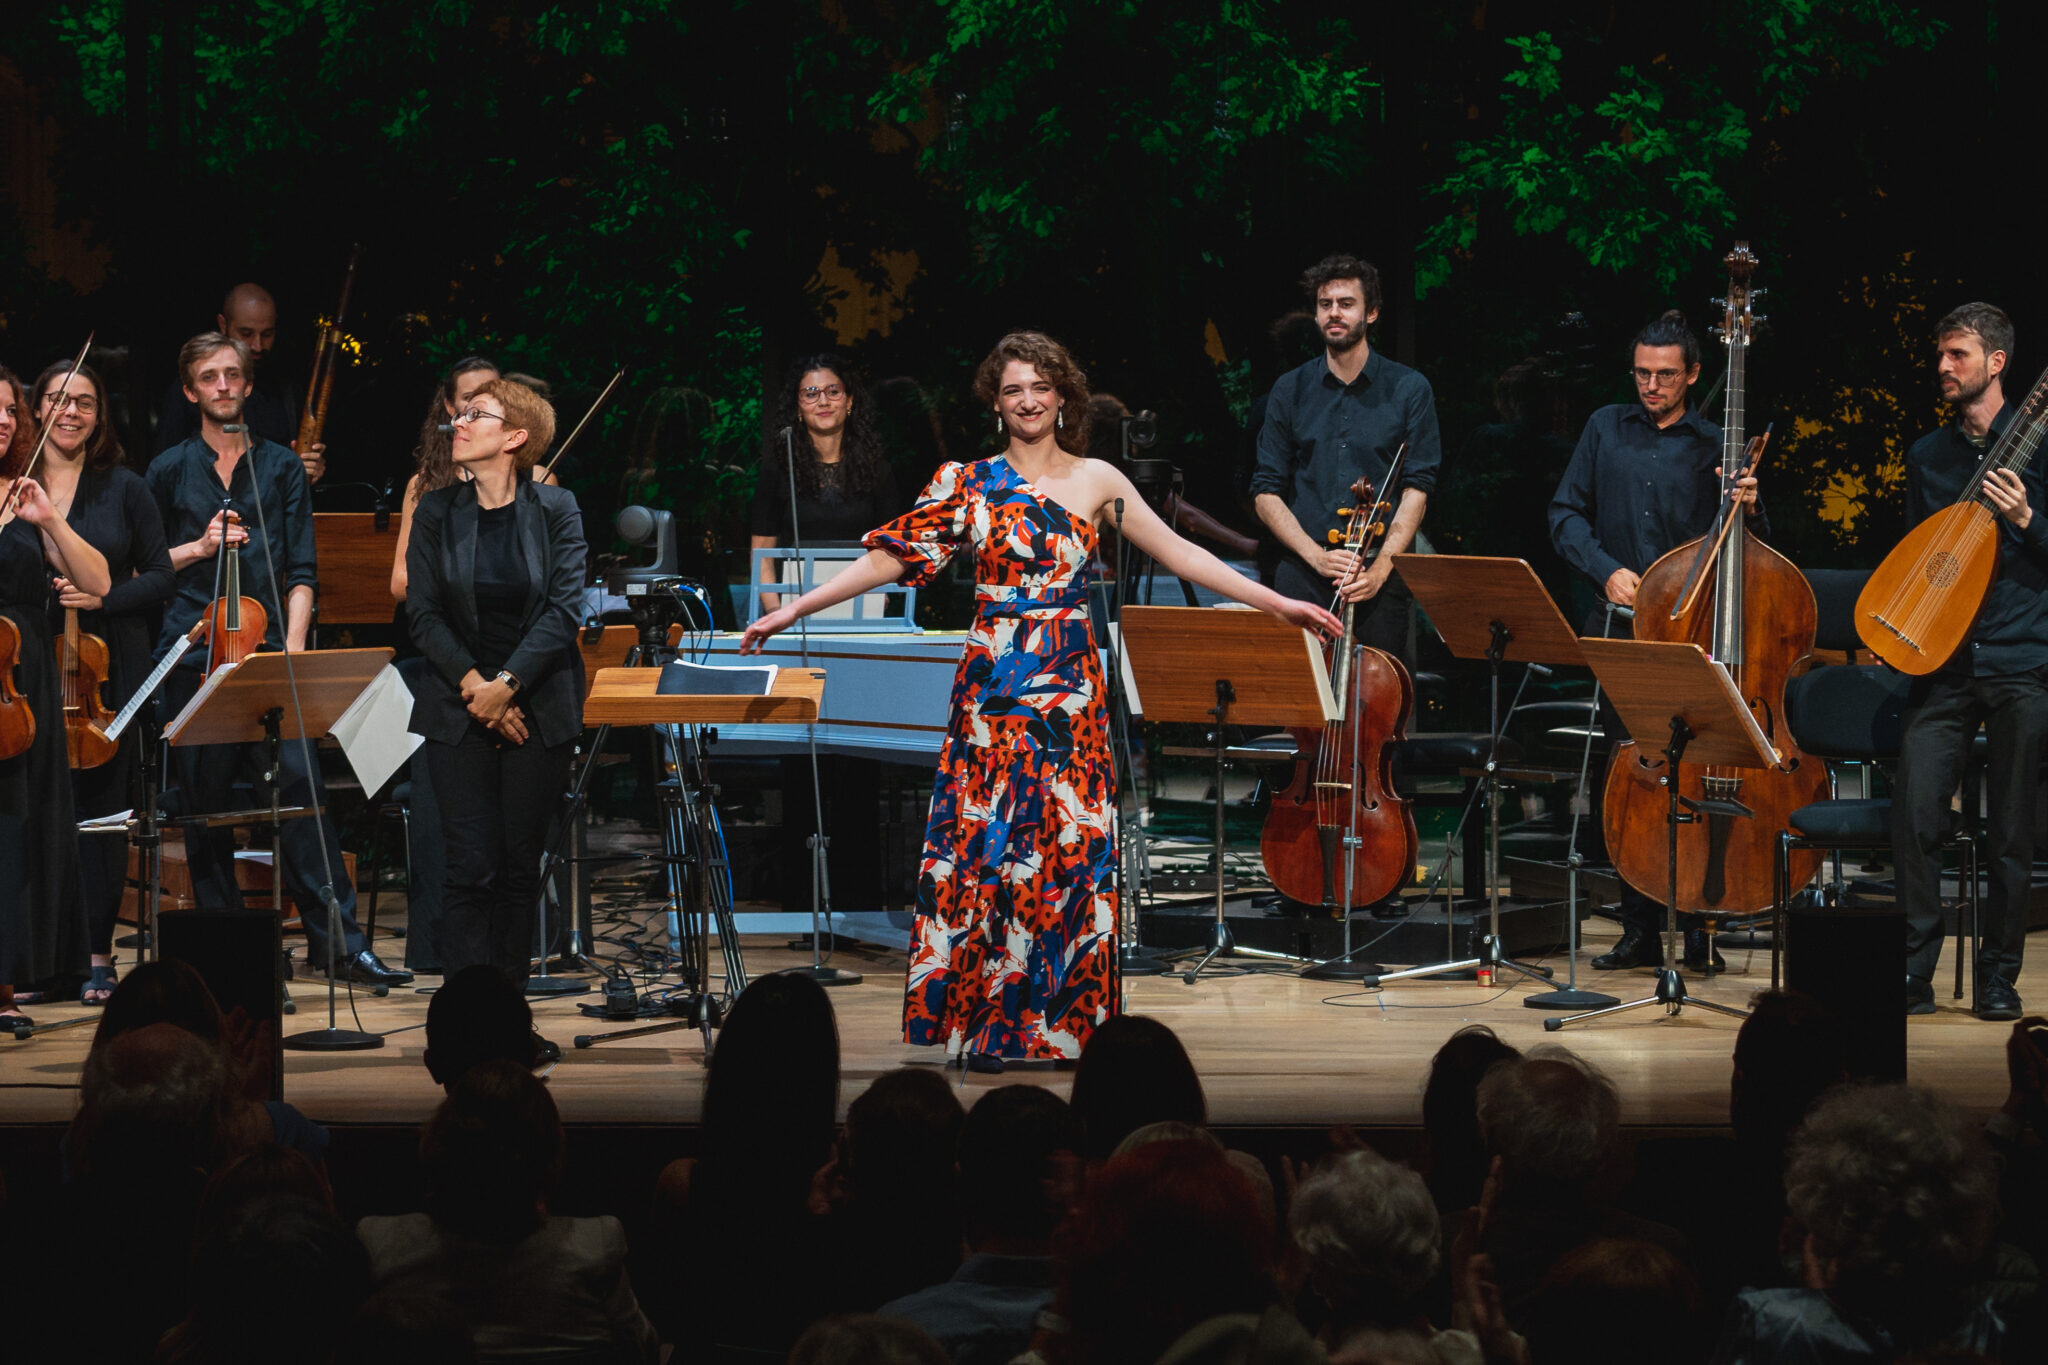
[(630, 696), (239, 704), (1223, 666), (1674, 687), (1497, 610)]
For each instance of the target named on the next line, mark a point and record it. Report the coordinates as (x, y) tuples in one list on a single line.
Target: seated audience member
[(1370, 1240), (770, 1103), (1164, 1239), (893, 1191), (1248, 1166), (1133, 1071), (476, 1016), (528, 1283), (1019, 1153), (1899, 1199), (1551, 1123), (1457, 1161), (1615, 1302), (866, 1340), (2023, 1179)]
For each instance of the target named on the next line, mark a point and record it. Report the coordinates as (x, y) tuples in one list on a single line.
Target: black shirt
[(2011, 634), (833, 512), (1321, 435), (273, 412), (112, 511), (1634, 491), (188, 493), (500, 585)]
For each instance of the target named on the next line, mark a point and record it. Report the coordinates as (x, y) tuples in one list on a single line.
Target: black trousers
[(496, 801), (1381, 622), (206, 775), (1943, 713)]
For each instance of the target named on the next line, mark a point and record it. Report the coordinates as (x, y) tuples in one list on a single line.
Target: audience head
[(153, 1099), (867, 1340), (492, 1152), (1788, 1053), (264, 1265), (1450, 1114), (902, 1132), (1634, 1292), (166, 991), (1898, 1196), (1133, 1072), (771, 1095), (478, 1015), (1369, 1237), (1018, 1148), (1165, 1237), (1551, 1119)]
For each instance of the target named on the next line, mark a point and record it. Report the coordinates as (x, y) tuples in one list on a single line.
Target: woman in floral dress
[(1015, 945)]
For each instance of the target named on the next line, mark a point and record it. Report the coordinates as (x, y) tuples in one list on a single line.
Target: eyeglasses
[(1660, 378), (478, 415), (830, 394), (86, 406)]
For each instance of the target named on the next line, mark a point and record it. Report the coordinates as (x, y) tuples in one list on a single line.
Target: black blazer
[(440, 599)]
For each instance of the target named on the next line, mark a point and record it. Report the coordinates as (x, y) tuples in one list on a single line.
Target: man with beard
[(249, 315), (1340, 416), (1998, 680), (208, 488)]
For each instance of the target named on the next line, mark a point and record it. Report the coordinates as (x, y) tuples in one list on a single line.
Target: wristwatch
[(505, 677)]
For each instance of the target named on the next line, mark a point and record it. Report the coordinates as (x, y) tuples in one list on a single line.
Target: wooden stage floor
[(1272, 1050)]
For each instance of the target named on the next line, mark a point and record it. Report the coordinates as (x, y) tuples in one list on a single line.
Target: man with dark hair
[(1644, 479), (1337, 418), (477, 1016), (249, 315), (1019, 1158), (1999, 680)]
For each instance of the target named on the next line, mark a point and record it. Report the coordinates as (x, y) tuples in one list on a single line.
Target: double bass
[(1751, 609), (1345, 773)]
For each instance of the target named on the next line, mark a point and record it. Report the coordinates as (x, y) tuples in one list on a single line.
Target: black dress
[(113, 512), (42, 913)]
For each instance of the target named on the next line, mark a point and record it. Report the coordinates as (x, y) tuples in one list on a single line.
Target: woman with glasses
[(42, 915), (111, 509), (494, 587)]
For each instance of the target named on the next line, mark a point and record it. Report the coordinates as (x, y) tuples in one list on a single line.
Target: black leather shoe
[(985, 1063), (1996, 999), (1636, 949), (1919, 995), (1696, 955), (545, 1050), (364, 969)]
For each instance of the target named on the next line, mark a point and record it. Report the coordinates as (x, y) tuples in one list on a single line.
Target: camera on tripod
[(1155, 479), (658, 596)]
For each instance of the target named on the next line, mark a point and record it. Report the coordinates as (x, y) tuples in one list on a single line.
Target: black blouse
[(113, 512), (501, 587), (831, 513)]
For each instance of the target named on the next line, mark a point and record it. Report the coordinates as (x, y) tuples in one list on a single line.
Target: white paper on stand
[(372, 731)]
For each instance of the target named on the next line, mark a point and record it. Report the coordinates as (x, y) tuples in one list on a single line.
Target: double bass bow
[(1751, 609), (1344, 778)]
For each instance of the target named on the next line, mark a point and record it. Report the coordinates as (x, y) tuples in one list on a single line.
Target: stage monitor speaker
[(240, 956), (1854, 962)]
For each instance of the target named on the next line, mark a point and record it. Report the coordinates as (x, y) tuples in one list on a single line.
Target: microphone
[(1119, 515), (444, 427), (234, 428), (785, 433), (1617, 609), (1540, 670)]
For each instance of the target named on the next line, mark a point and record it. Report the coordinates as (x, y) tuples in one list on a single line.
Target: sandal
[(98, 990)]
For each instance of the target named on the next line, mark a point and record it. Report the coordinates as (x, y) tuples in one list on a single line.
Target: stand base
[(1670, 994), (554, 987), (1141, 962), (333, 1040), (1222, 943), (825, 976), (1570, 1000), (1353, 970)]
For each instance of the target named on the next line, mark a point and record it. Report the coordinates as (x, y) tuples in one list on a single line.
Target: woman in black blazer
[(494, 587)]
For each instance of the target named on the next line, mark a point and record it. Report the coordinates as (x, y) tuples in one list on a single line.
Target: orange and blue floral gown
[(1014, 948)]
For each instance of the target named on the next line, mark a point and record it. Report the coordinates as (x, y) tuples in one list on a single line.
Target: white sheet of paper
[(372, 731)]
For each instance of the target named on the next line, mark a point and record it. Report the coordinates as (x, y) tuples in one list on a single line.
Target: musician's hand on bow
[(68, 595), (32, 504), (2008, 493), (1367, 585), (774, 623), (1744, 492), (1333, 564), (1308, 616)]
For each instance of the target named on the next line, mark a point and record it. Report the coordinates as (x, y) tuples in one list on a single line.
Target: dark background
[(701, 192)]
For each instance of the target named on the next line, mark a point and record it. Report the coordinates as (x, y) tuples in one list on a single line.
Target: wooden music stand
[(630, 696), (354, 551), (1673, 686), (263, 698), (1221, 666), (1497, 610)]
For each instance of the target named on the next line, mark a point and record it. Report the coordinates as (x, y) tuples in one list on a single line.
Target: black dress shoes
[(1636, 949), (1919, 995), (1996, 999), (1696, 950), (363, 968)]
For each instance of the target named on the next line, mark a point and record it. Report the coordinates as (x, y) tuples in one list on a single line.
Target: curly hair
[(12, 458), (1344, 266), (103, 447), (1369, 1234), (1053, 362), (860, 444), (433, 459)]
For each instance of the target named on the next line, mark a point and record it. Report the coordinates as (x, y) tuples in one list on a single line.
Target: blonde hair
[(525, 411)]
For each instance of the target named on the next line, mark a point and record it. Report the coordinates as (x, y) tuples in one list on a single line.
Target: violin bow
[(14, 493), (1710, 548), (563, 449)]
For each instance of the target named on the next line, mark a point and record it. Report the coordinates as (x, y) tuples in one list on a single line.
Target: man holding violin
[(207, 488), (1644, 479)]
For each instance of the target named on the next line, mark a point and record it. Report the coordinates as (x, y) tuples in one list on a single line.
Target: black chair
[(395, 807), (1855, 714)]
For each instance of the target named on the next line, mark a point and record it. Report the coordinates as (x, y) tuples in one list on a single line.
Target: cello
[(1349, 782), (81, 668), (1751, 609)]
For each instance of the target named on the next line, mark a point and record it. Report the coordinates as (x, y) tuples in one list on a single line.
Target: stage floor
[(1272, 1049)]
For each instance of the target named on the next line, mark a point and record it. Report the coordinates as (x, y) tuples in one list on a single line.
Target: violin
[(1751, 609), (17, 721), (235, 625), (82, 662), (1348, 781)]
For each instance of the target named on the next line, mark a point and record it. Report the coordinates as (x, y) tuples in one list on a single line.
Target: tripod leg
[(1553, 1025)]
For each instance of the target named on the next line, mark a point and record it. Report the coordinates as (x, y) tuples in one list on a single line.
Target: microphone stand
[(1132, 957), (821, 873)]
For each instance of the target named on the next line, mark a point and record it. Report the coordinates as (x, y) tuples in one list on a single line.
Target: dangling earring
[(1059, 419), (999, 424)]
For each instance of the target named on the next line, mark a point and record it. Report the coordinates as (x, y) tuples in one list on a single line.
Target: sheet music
[(373, 733)]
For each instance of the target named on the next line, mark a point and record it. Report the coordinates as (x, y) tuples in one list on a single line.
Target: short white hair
[(1367, 1229)]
